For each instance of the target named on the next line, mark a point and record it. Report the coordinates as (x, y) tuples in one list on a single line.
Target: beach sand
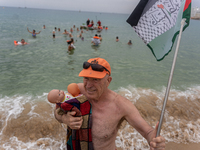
[(175, 146)]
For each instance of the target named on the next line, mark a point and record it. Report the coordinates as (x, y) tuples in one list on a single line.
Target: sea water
[(29, 72)]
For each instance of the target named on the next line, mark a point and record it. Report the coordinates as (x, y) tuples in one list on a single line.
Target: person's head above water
[(95, 68), (22, 41)]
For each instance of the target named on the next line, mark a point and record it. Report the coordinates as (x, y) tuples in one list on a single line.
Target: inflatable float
[(19, 43)]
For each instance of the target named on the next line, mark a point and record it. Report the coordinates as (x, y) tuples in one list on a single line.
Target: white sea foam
[(40, 144)]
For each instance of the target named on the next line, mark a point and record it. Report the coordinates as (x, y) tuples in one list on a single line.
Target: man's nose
[(89, 83)]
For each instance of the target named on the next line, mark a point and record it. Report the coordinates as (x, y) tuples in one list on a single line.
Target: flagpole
[(170, 78)]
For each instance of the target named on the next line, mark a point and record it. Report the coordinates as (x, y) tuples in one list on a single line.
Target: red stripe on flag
[(187, 3)]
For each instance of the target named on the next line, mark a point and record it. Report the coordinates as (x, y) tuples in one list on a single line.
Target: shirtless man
[(109, 109)]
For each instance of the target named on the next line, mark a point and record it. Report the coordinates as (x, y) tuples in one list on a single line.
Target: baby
[(58, 97)]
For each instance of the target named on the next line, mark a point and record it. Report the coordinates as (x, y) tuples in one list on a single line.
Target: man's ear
[(109, 79)]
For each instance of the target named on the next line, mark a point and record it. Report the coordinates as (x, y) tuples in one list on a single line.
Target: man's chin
[(90, 95)]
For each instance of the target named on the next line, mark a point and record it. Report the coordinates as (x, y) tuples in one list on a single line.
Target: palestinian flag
[(157, 23)]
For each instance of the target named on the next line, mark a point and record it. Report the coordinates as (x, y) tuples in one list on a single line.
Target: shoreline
[(178, 146)]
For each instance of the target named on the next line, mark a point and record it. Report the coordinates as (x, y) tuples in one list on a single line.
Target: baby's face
[(56, 96), (60, 95)]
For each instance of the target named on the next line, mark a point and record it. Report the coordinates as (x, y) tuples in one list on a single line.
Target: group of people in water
[(96, 40), (34, 33), (90, 26)]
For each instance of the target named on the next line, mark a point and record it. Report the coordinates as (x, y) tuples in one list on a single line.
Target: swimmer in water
[(20, 43), (33, 33), (129, 42), (117, 39), (65, 32), (23, 42)]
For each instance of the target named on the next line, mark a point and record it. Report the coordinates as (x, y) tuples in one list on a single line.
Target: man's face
[(95, 87)]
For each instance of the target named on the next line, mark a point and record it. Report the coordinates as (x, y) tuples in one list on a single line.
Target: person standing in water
[(33, 33), (96, 40), (54, 33), (129, 42), (88, 22), (117, 38), (65, 32)]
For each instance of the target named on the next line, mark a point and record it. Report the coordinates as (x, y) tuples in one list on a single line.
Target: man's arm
[(134, 118), (156, 142), (58, 117), (69, 119)]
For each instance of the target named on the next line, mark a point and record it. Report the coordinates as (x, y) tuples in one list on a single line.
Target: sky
[(111, 6)]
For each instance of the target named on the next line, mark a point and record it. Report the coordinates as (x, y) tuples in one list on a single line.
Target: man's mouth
[(90, 91)]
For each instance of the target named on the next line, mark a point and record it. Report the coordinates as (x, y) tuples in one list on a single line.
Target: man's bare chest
[(104, 124)]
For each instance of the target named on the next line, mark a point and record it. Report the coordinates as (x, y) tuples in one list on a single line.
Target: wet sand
[(175, 146)]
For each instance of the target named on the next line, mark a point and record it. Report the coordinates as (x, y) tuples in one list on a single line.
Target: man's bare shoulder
[(122, 100), (124, 104)]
